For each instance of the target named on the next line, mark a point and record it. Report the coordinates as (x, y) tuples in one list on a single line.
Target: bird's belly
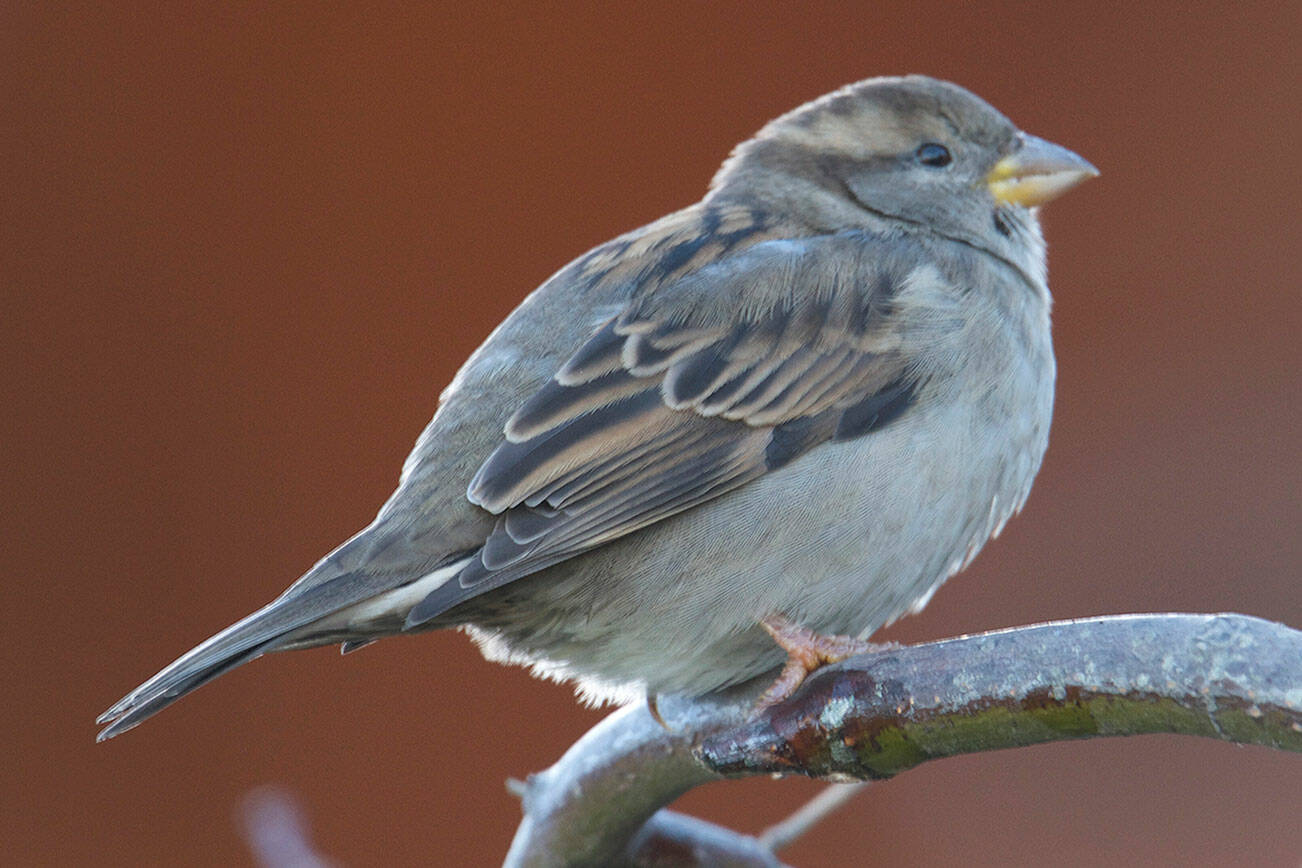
[(844, 540)]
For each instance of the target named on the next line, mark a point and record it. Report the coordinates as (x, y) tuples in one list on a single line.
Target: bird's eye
[(934, 155)]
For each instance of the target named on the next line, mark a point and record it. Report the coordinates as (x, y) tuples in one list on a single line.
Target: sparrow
[(790, 410)]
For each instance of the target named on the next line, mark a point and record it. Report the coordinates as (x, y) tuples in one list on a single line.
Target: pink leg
[(806, 651)]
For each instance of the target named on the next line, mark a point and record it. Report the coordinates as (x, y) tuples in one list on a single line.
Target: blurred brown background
[(244, 251)]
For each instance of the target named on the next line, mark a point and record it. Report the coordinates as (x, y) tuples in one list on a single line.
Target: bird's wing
[(698, 387)]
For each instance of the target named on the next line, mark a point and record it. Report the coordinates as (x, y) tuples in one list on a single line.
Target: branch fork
[(1229, 677)]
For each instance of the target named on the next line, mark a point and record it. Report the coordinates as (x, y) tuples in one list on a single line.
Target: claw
[(654, 708), (806, 651)]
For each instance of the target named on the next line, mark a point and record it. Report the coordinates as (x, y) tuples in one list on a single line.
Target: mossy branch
[(1228, 677)]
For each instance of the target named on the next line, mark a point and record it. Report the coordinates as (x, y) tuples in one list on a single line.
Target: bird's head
[(912, 154)]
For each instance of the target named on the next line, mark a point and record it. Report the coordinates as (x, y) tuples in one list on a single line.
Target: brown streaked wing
[(722, 376)]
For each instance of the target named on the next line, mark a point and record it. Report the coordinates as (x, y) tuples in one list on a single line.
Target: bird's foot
[(806, 651)]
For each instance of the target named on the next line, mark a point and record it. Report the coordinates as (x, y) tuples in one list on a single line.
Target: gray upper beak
[(1036, 172)]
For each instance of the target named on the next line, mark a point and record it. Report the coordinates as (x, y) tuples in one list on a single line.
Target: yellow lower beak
[(1036, 172)]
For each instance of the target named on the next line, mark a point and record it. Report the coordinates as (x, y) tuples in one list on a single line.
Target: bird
[(789, 411)]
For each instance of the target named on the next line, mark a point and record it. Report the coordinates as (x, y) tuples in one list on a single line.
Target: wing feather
[(696, 388)]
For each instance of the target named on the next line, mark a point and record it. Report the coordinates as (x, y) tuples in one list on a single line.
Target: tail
[(350, 607), (265, 630)]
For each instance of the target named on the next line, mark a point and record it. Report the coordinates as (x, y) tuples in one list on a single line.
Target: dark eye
[(934, 155)]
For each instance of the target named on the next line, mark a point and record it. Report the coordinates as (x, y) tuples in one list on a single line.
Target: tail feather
[(265, 630), (348, 607), (134, 709)]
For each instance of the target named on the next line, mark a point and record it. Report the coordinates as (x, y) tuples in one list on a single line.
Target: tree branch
[(1229, 677)]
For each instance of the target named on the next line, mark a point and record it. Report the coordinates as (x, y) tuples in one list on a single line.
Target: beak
[(1036, 172)]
